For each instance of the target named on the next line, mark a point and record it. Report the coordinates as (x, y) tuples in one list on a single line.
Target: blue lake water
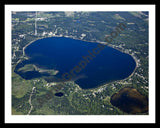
[(59, 94), (88, 64)]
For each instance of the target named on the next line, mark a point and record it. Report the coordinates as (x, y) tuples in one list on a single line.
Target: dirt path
[(30, 101)]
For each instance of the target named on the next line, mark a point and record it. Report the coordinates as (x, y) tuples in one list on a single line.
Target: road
[(30, 101)]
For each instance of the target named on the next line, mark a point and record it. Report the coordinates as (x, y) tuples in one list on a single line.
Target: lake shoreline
[(98, 42)]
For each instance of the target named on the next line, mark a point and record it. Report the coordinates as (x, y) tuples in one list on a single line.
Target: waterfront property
[(88, 64)]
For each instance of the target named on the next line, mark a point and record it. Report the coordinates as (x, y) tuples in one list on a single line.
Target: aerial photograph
[(80, 62)]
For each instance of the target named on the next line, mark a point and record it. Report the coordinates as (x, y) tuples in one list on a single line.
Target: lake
[(130, 100), (88, 64)]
